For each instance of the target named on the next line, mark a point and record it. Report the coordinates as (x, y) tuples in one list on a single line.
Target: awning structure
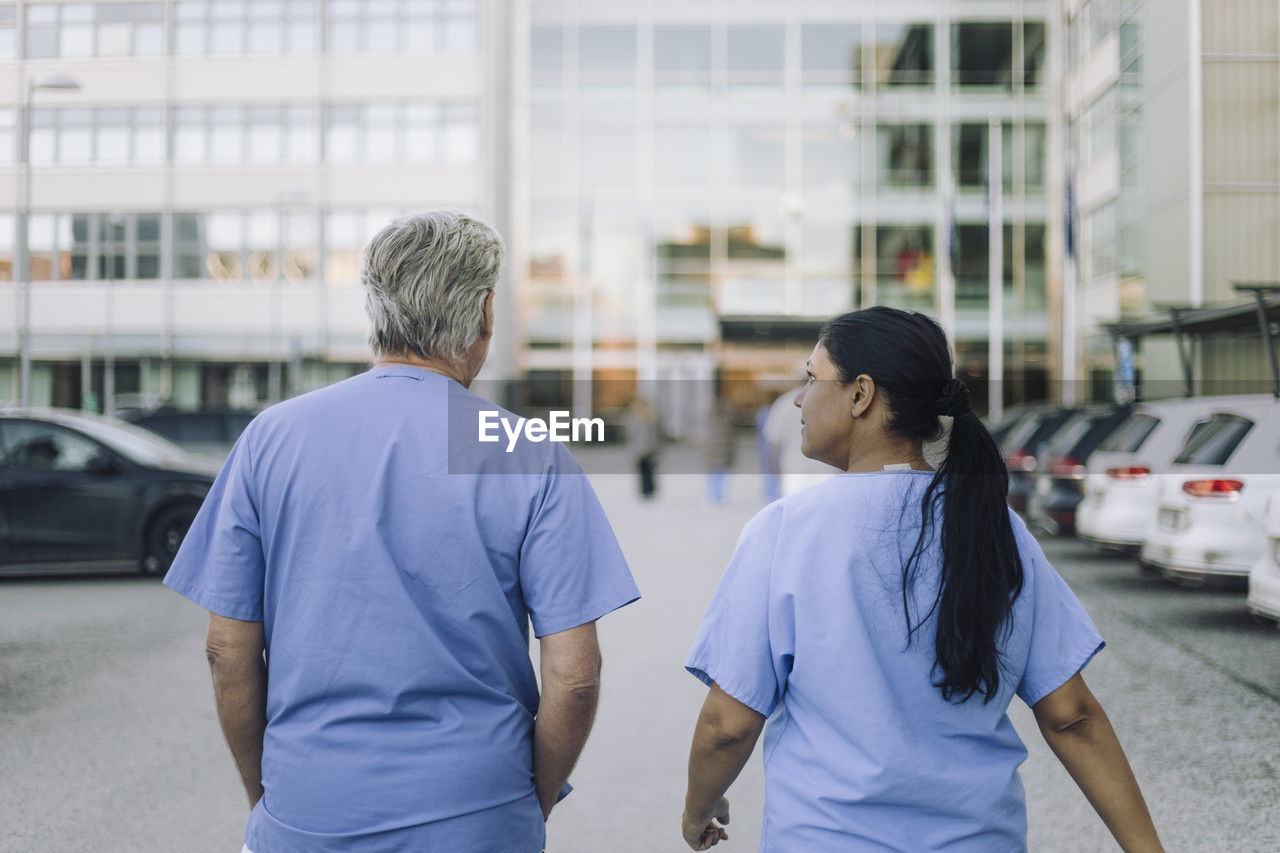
[(1260, 316)]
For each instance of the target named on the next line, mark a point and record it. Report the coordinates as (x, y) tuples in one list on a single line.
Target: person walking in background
[(644, 438), (389, 571), (719, 449), (767, 452), (884, 620), (782, 430)]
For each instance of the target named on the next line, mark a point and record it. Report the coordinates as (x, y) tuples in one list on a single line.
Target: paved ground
[(108, 739)]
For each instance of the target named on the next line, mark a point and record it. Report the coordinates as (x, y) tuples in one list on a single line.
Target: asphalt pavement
[(108, 738)]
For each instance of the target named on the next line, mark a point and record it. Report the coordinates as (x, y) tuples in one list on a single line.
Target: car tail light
[(1020, 460), (1129, 472), (1213, 488), (1068, 467)]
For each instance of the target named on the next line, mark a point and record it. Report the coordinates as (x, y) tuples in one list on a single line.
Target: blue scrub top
[(861, 751), (396, 564)]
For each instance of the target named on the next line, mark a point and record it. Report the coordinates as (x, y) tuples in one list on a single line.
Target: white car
[(1264, 579), (1212, 502), (1121, 482)]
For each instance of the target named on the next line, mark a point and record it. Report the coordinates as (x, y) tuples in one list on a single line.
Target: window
[(904, 155), (8, 31), (1131, 434), (755, 55), (904, 54), (74, 30), (1214, 443), (982, 54), (905, 267), (830, 156), (681, 55), (400, 131), (98, 246), (546, 56), (1035, 48), (1104, 232), (220, 28), (682, 154), (607, 55), (757, 156), (831, 54), (45, 447), (118, 136)]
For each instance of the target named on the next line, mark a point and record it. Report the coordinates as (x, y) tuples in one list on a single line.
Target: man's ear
[(486, 318), (862, 391)]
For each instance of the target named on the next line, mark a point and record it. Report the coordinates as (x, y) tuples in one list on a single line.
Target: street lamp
[(61, 83)]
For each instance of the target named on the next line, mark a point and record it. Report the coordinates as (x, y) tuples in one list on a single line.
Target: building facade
[(1174, 117), (707, 181), (200, 198)]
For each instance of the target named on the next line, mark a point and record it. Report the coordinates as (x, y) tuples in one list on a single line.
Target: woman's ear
[(862, 391)]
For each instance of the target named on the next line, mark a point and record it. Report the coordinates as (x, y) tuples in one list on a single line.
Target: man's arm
[(235, 652), (570, 665), (1076, 728), (726, 734)]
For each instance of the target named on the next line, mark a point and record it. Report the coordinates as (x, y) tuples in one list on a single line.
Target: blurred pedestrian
[(782, 430), (767, 452), (719, 449), (883, 622), (370, 577), (644, 439)]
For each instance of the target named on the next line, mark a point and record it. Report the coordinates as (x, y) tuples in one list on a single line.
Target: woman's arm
[(1077, 730), (726, 734)]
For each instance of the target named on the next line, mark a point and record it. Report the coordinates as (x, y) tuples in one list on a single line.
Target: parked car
[(1023, 443), (209, 432), (1011, 419), (80, 493), (1058, 482), (1210, 507), (1121, 485), (1264, 577)]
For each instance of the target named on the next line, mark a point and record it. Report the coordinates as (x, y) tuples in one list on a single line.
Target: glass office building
[(705, 182), (200, 201)]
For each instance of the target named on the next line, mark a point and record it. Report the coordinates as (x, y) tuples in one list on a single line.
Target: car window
[(45, 447), (1132, 434), (1214, 443), (1017, 437), (1071, 432), (134, 442)]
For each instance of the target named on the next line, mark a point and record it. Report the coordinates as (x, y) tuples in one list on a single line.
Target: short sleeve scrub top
[(861, 751)]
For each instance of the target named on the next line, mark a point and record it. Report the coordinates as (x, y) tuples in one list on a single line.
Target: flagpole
[(995, 284)]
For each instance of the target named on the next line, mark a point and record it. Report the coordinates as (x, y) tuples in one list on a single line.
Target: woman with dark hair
[(883, 622)]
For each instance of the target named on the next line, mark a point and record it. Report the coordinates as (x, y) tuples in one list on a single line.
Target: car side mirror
[(101, 464)]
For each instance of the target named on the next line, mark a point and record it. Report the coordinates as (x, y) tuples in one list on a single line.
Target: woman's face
[(826, 415)]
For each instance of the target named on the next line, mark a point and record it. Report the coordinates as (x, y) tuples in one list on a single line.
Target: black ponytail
[(907, 356)]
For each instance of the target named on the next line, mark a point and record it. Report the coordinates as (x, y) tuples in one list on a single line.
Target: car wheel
[(164, 536)]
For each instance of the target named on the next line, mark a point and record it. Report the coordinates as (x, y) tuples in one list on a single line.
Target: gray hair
[(426, 277)]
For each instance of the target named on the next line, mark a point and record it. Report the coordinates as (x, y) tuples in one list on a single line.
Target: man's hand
[(706, 831), (234, 649)]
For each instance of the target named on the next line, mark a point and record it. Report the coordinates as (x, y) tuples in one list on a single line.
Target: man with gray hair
[(387, 567)]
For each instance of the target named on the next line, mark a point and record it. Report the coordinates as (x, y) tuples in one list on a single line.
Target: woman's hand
[(706, 831)]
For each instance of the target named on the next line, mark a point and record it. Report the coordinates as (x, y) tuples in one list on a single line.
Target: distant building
[(199, 204), (1173, 111), (706, 182)]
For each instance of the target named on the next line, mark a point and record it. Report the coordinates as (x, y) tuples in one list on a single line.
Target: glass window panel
[(607, 55), (302, 144), (682, 154), (115, 39), (827, 247), (186, 228), (226, 38), (420, 145), (905, 269), (972, 262), (762, 240), (831, 53), (1034, 50), (39, 13), (77, 40), (224, 230), (227, 10), (148, 265), (1036, 151), (904, 155), (42, 42), (194, 10), (419, 37), (461, 142), (115, 12), (265, 142), (189, 39), (225, 144), (303, 37), (150, 12), (830, 155), (547, 56), (147, 226), (189, 145), (8, 44), (266, 37), (756, 54), (380, 141), (344, 144), (44, 146), (148, 40), (681, 55), (982, 54), (343, 37), (757, 155), (262, 10), (904, 54), (113, 144), (380, 37), (607, 155), (75, 145), (459, 36)]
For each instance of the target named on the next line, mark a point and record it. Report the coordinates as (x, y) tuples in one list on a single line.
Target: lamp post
[(58, 82)]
